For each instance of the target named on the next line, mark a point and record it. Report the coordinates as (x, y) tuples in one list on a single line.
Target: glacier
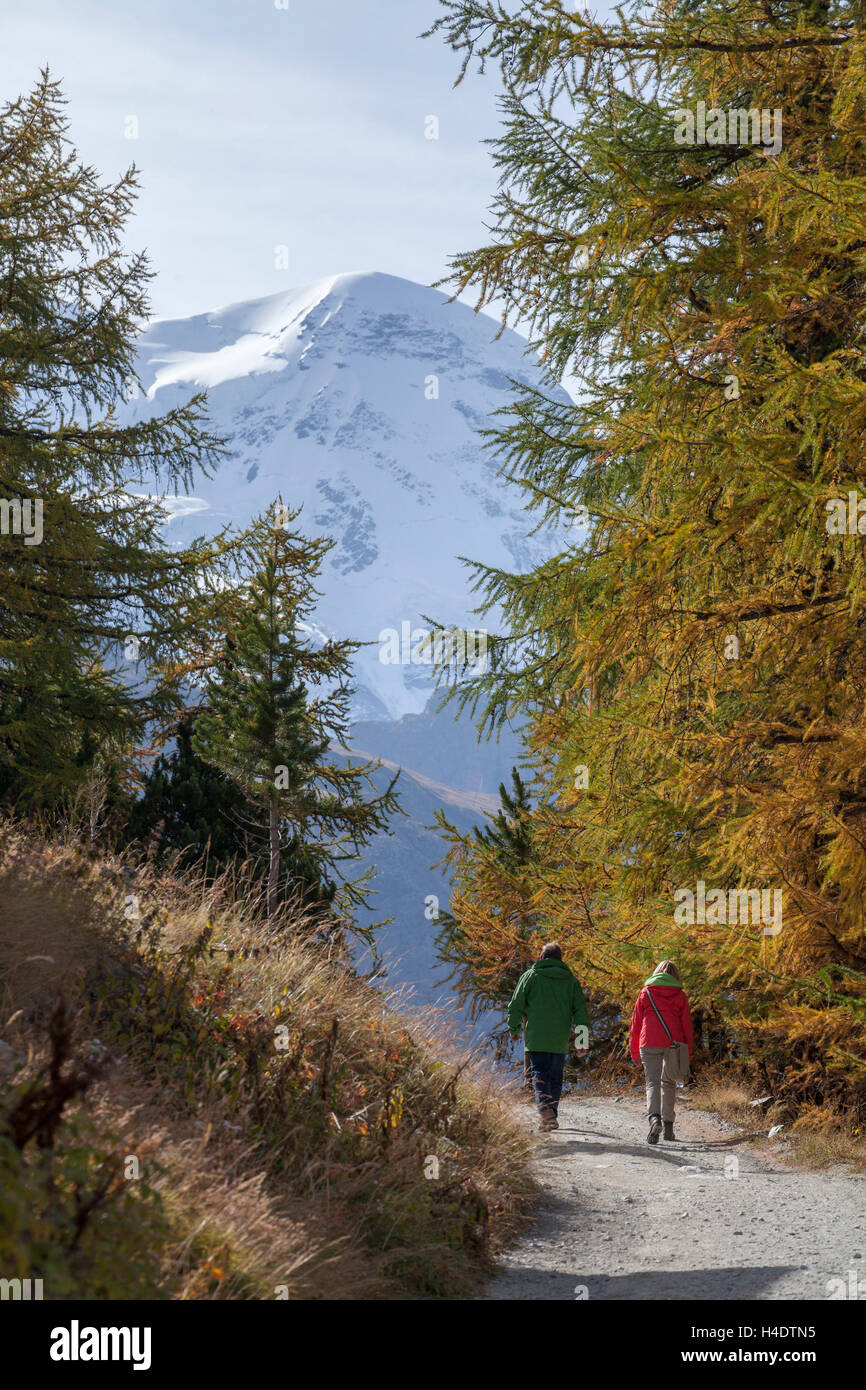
[(358, 398)]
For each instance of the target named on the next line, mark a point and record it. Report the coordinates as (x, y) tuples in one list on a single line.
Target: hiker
[(661, 1017), (551, 1000)]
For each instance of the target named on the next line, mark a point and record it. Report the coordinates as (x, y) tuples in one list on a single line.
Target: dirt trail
[(703, 1218)]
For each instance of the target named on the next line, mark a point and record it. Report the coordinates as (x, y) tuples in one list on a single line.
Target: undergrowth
[(196, 1104)]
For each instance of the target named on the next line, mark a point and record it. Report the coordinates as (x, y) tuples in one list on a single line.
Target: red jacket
[(646, 1031)]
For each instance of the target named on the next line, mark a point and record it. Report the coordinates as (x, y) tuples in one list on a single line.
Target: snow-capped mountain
[(359, 398)]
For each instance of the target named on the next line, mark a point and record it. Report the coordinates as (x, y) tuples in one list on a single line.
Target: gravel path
[(705, 1217)]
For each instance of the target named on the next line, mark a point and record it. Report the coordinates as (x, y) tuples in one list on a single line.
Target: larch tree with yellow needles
[(680, 223)]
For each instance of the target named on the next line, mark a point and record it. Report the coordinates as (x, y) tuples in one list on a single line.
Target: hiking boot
[(655, 1129), (547, 1121), (669, 1130)]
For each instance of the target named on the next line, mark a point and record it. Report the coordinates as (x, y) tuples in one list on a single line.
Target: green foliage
[(509, 836), (68, 1217), (490, 932), (94, 570), (190, 806), (700, 645), (276, 703), (114, 1255)]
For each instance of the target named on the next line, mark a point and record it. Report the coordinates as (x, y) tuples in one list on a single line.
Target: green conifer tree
[(190, 806), (275, 704), (492, 897), (98, 618)]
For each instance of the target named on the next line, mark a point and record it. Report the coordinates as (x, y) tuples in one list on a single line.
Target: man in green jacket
[(551, 1000)]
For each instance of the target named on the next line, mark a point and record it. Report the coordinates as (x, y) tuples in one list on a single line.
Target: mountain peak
[(256, 335), (360, 398)]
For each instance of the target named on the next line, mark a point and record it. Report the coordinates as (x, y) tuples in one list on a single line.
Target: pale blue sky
[(262, 127)]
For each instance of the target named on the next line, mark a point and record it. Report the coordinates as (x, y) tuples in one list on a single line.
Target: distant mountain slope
[(479, 803), (443, 747), (408, 886)]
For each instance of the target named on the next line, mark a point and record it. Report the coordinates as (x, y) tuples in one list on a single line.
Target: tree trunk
[(274, 866)]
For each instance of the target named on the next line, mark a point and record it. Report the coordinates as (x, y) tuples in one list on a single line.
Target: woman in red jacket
[(649, 1043)]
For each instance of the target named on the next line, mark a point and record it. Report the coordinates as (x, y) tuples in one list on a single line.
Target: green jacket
[(551, 1000)]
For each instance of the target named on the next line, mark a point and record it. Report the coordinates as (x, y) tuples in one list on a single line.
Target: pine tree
[(190, 807), (84, 570), (701, 648), (490, 932), (276, 703), (509, 836)]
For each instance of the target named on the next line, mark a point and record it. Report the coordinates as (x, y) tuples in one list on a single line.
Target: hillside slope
[(410, 888), (195, 1106)]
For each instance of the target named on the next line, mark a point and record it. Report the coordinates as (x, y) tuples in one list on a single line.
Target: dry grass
[(817, 1137), (285, 1119), (826, 1139), (725, 1093), (230, 1235)]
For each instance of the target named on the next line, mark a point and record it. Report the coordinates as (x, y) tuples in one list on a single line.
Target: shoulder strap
[(658, 1015)]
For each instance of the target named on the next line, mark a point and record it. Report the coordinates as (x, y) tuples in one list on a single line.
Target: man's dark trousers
[(546, 1068)]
